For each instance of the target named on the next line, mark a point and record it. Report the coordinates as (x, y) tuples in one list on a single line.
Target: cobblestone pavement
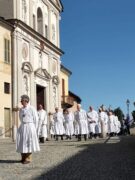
[(97, 159)]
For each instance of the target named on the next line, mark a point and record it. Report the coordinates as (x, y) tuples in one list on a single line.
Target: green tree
[(118, 112)]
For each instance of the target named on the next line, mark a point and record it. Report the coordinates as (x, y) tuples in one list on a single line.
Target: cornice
[(18, 23)]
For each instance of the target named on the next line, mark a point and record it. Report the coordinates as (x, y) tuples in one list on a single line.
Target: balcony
[(67, 101)]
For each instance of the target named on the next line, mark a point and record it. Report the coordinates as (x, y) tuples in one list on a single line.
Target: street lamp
[(128, 103)]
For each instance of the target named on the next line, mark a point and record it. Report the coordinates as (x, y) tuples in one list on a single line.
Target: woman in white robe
[(27, 140)]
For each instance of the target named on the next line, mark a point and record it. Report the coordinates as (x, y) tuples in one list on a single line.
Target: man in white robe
[(118, 125), (27, 140), (58, 123), (69, 127), (42, 124), (92, 122), (81, 118), (51, 125), (111, 124), (103, 118)]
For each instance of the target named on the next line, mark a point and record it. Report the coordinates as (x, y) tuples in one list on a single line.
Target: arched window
[(39, 21)]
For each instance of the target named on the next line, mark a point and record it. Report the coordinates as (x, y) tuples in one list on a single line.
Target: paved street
[(100, 159)]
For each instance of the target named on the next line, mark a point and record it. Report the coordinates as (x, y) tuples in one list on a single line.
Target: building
[(68, 98), (36, 51), (76, 100), (5, 79), (66, 101)]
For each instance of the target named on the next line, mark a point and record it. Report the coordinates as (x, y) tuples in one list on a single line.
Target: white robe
[(103, 118), (27, 140), (52, 129), (59, 123), (76, 127), (81, 118), (111, 124), (92, 121), (42, 125), (117, 125), (69, 127)]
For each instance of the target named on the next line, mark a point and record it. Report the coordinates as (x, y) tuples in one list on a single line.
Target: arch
[(27, 67), (40, 21)]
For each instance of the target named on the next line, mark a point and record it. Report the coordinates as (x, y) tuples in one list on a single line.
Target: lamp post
[(128, 103)]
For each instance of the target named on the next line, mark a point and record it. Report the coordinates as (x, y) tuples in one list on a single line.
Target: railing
[(67, 99)]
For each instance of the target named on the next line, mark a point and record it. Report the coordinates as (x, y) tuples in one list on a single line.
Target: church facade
[(35, 53)]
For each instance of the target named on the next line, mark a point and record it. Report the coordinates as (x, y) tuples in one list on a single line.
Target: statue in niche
[(26, 88), (40, 60), (54, 97)]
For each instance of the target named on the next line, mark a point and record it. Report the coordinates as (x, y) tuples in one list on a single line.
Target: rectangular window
[(6, 51), (6, 88)]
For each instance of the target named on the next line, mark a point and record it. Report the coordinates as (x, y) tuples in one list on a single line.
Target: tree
[(118, 112)]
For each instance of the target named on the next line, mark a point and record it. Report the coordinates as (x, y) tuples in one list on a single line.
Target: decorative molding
[(43, 74), (56, 80), (27, 67)]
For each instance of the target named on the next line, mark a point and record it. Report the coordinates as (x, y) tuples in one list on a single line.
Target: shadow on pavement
[(9, 161), (112, 160)]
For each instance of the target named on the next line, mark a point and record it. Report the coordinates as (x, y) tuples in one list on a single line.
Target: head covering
[(25, 97)]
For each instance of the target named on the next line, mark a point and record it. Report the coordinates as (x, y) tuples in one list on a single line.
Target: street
[(97, 159)]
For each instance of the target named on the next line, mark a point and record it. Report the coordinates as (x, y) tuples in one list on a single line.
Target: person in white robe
[(117, 125), (92, 122), (103, 118), (51, 126), (81, 118), (27, 140), (111, 124), (58, 123), (76, 127), (69, 127), (42, 124)]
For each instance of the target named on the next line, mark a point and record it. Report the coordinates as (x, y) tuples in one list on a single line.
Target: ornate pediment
[(43, 74), (27, 67)]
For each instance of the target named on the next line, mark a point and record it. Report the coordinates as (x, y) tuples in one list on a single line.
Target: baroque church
[(35, 51)]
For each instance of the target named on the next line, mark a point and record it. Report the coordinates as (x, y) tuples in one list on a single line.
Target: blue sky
[(98, 38)]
